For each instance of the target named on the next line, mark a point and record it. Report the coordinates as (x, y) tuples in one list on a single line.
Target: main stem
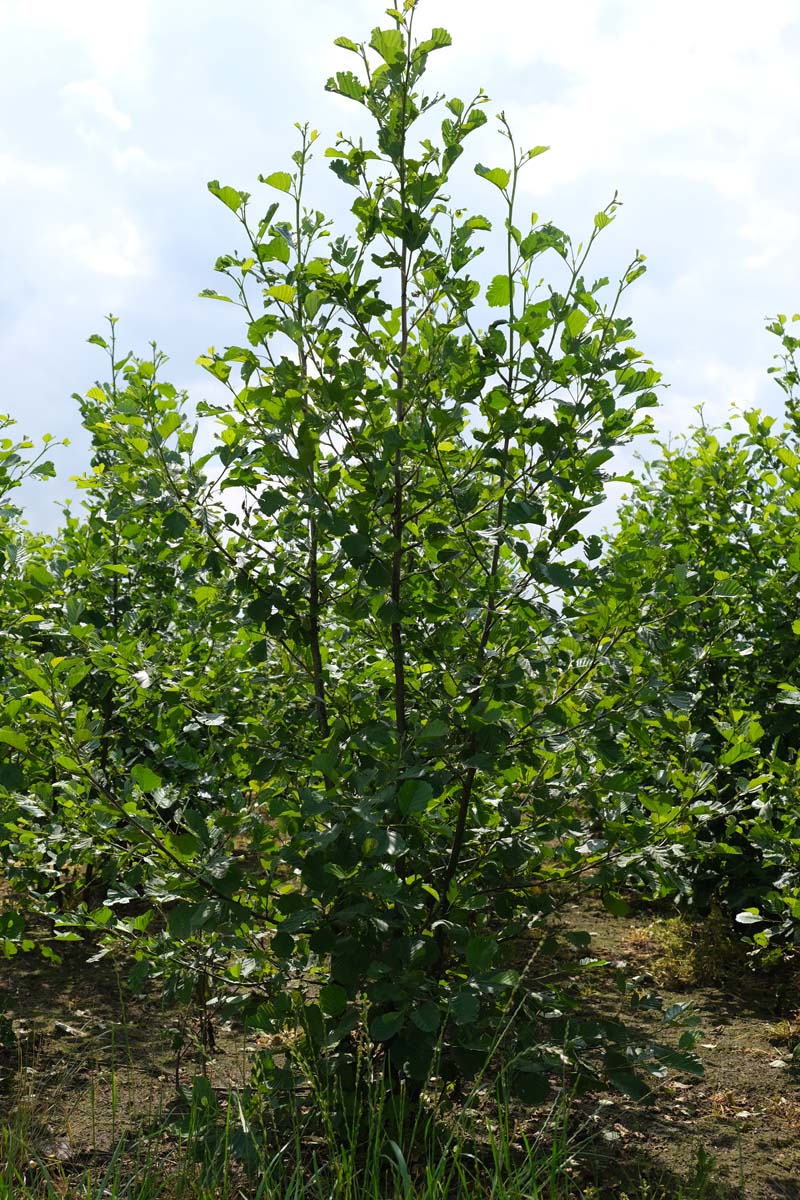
[(398, 648), (314, 606), (468, 784)]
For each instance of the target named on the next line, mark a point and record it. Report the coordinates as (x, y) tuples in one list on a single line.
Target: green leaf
[(496, 175), (498, 293), (11, 738), (414, 796), (171, 422), (281, 180), (615, 904), (276, 250), (529, 1083), (312, 303), (629, 1084), (385, 1026), (346, 44), (332, 999), (228, 195), (145, 779), (345, 83), (438, 39), (576, 322), (179, 921), (389, 44), (434, 730), (464, 1007), (427, 1016), (282, 944), (480, 953), (283, 292), (357, 547)]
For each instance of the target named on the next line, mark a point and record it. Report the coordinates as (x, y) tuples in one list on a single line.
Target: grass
[(692, 952), (135, 1138), (211, 1148)]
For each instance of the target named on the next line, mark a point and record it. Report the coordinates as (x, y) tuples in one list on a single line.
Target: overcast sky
[(116, 115)]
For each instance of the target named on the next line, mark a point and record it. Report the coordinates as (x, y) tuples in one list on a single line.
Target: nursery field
[(370, 827)]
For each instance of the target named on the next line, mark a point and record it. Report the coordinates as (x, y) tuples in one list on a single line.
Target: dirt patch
[(87, 1062), (83, 1062), (740, 1123)]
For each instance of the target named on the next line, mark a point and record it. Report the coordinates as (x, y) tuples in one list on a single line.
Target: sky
[(115, 116)]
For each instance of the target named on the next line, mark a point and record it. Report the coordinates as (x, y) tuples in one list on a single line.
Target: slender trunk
[(465, 800), (398, 521), (398, 648), (314, 605), (316, 648), (460, 831)]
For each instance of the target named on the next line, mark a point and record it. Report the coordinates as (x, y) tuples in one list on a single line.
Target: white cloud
[(773, 240), (118, 250), (690, 109), (135, 160), (113, 38), (93, 96), (21, 172)]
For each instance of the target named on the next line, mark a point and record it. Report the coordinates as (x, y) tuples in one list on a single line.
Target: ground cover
[(92, 1075)]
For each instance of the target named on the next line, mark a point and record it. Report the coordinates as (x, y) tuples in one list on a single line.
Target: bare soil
[(83, 1063), (738, 1127)]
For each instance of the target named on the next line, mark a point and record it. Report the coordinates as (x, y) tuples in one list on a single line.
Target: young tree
[(707, 549), (412, 487), (410, 454)]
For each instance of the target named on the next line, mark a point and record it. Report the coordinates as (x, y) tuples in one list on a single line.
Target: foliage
[(315, 725), (707, 550)]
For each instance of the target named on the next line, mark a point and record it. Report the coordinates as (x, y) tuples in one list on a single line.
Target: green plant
[(705, 562), (330, 751)]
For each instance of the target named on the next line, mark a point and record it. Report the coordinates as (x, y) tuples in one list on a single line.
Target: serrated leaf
[(389, 44), (345, 83), (496, 175), (228, 195), (414, 796), (146, 779), (11, 738), (281, 180), (385, 1026), (346, 43), (438, 39), (283, 292), (498, 293)]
